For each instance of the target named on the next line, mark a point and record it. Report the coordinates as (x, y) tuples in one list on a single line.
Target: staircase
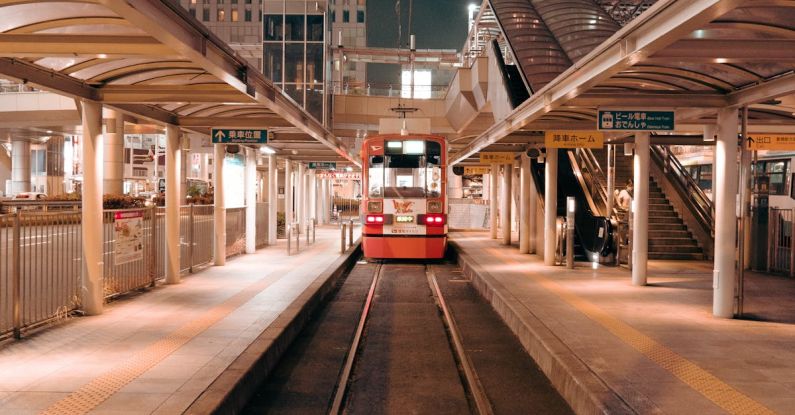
[(669, 237)]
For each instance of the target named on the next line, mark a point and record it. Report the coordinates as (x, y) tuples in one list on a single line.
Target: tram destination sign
[(574, 139), (239, 136), (322, 165), (771, 142), (635, 120)]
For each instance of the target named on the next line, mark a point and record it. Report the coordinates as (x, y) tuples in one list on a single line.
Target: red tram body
[(404, 208)]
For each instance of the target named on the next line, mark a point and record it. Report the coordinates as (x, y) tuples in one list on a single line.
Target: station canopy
[(154, 61), (691, 56)]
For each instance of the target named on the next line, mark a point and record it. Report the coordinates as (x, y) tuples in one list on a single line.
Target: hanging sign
[(339, 175), (239, 136), (476, 170), (636, 120), (128, 232), (771, 141), (497, 158), (322, 165), (574, 139)]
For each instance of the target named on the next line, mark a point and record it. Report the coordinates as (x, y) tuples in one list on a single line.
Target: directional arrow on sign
[(220, 135)]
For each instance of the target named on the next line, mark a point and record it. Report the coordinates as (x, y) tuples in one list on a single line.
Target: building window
[(294, 27), (360, 16), (314, 27), (221, 15), (333, 16), (234, 15), (247, 15), (206, 14), (273, 27), (346, 16), (777, 171), (234, 2)]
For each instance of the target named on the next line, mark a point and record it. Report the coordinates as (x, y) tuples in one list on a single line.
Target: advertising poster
[(128, 232)]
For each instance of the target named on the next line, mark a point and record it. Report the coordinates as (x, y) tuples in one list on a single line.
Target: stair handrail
[(701, 205)]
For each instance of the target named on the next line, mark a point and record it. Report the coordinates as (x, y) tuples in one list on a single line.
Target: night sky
[(438, 24)]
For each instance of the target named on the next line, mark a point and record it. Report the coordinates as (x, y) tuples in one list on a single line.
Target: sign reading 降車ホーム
[(497, 158), (635, 120), (239, 136), (574, 139), (771, 141)]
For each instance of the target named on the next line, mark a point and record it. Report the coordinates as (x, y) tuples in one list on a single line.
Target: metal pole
[(297, 229), (570, 206), (17, 276), (630, 232), (350, 234), (153, 244), (342, 237), (191, 237), (314, 227), (611, 179), (307, 233), (745, 207), (287, 231), (550, 205)]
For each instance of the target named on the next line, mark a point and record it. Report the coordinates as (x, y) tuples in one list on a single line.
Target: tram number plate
[(404, 219)]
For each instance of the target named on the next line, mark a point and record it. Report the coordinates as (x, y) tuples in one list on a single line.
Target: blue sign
[(239, 136), (323, 165), (636, 120)]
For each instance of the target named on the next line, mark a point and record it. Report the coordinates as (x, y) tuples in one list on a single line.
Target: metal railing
[(196, 230), (235, 231), (390, 90), (124, 275), (343, 209), (700, 205), (780, 252)]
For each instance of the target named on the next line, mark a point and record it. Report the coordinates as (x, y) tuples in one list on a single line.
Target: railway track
[(389, 342)]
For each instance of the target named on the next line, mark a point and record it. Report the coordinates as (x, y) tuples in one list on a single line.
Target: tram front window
[(409, 169)]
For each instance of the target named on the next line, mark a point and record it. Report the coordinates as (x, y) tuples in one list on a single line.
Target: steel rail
[(471, 378), (345, 374)]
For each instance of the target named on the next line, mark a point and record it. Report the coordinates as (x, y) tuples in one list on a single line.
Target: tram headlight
[(434, 206), (375, 206)]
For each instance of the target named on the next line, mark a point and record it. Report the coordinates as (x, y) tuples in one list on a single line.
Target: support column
[(300, 197), (725, 214), (184, 169), (524, 206), (273, 198), (640, 210), (114, 153), (455, 184), (288, 197), (314, 188), (532, 213), (173, 173), (251, 200), (493, 206), (219, 215), (327, 195), (550, 205), (709, 135), (507, 202), (20, 166), (92, 281)]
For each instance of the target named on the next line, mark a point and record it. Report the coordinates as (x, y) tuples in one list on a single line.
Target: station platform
[(611, 347), (157, 352)]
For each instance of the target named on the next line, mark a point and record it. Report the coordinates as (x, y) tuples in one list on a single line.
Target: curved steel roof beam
[(578, 25)]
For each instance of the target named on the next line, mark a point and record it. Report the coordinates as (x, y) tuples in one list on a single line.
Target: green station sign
[(636, 120), (239, 136), (323, 165)]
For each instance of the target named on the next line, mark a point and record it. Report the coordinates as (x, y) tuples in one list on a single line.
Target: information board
[(497, 158), (128, 233), (771, 141), (239, 136), (475, 170), (574, 139), (635, 120)]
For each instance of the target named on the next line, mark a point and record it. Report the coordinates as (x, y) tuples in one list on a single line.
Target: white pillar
[(493, 206), (20, 166), (273, 198), (93, 281), (640, 210), (300, 197), (251, 200), (184, 169), (173, 171), (611, 179), (725, 214), (709, 134), (219, 215), (532, 213), (455, 184), (550, 205), (327, 195), (314, 188), (507, 202), (288, 197), (114, 153), (524, 206)]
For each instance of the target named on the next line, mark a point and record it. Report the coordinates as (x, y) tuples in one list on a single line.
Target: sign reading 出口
[(636, 120), (496, 158), (475, 170), (574, 139), (238, 136), (322, 165), (771, 141)]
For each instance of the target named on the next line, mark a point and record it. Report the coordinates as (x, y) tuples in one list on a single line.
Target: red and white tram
[(405, 202)]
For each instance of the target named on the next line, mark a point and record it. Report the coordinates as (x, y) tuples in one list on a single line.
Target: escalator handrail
[(700, 204), (578, 173)]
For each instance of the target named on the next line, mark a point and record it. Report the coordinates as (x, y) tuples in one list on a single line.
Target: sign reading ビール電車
[(771, 142), (239, 136), (322, 165), (496, 158), (636, 120), (574, 139)]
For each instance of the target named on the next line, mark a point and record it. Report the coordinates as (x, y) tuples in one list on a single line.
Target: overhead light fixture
[(349, 169), (628, 147), (266, 150)]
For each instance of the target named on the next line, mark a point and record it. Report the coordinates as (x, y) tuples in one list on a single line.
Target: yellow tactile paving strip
[(700, 380), (90, 395)]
